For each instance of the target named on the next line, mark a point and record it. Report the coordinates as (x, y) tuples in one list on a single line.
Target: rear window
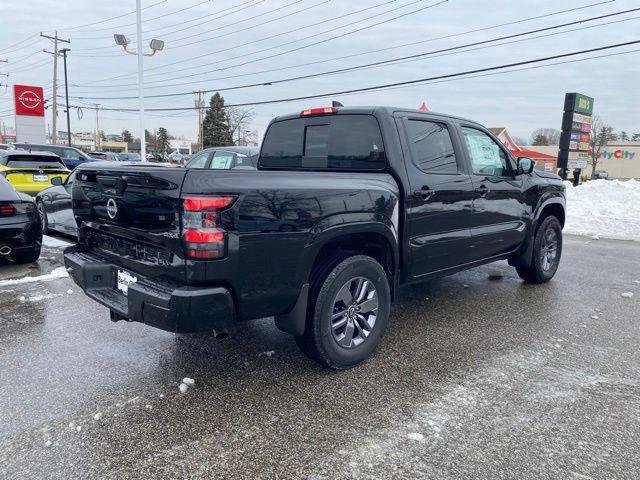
[(31, 161), (337, 142)]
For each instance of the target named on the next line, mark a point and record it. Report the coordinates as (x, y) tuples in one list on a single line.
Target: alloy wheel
[(355, 309), (549, 250)]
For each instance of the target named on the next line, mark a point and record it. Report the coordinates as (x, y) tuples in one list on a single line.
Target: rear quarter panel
[(280, 221)]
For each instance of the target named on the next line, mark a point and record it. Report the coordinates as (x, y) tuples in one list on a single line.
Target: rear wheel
[(547, 249), (26, 257), (42, 211), (348, 312)]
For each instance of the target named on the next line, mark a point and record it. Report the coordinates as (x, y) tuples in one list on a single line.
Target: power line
[(240, 7), (261, 24), (402, 83), (390, 61), (69, 29), (287, 43), (149, 84)]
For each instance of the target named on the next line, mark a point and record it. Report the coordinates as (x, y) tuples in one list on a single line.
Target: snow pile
[(53, 242), (59, 272), (604, 208)]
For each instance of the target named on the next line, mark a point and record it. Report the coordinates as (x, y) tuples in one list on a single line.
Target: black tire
[(26, 257), (42, 211), (320, 341), (544, 263)]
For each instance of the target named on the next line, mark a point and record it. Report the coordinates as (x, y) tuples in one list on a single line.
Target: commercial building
[(620, 160), (544, 160)]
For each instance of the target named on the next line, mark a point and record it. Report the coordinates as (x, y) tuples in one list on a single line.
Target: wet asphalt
[(476, 378)]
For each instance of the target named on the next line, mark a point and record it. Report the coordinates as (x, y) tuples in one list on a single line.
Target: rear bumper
[(171, 307), (21, 236)]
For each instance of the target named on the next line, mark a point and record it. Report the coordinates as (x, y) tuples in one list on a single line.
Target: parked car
[(31, 172), (601, 174), (54, 206), (110, 156), (4, 146), (72, 157), (20, 229), (129, 157), (226, 158), (379, 197)]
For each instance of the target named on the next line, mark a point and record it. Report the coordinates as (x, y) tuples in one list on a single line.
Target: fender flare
[(329, 229), (525, 258)]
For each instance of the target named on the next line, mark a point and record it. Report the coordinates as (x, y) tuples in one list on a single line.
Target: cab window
[(487, 157), (222, 160), (431, 147), (199, 161)]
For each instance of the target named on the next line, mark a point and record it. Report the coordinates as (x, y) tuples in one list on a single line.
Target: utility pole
[(200, 132), (97, 142), (54, 104), (66, 94)]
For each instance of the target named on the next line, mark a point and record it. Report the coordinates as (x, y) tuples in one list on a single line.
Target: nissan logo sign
[(29, 99), (112, 208)]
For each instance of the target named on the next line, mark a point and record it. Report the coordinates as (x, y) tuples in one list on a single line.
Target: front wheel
[(44, 220), (547, 249), (348, 313)]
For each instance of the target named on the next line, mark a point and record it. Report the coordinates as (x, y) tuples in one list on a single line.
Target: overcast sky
[(206, 41)]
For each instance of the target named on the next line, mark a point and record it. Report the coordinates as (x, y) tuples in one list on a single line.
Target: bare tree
[(239, 122), (551, 134), (601, 134)]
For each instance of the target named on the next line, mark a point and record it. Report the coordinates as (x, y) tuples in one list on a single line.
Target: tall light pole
[(156, 46), (143, 140)]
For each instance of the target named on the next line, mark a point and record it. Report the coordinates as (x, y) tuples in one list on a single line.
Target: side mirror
[(525, 165), (56, 181)]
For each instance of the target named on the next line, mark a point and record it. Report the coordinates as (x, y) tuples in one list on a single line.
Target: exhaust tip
[(5, 250)]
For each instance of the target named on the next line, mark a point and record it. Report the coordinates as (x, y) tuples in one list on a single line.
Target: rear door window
[(431, 146), (337, 142), (199, 161), (222, 160)]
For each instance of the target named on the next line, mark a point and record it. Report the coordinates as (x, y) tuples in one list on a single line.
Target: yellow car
[(31, 172)]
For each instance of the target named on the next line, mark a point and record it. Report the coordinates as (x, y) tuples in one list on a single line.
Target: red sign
[(28, 100)]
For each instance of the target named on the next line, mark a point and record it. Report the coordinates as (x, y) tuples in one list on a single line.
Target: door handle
[(482, 190), (424, 193)]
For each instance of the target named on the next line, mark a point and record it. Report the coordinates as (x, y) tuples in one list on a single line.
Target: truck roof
[(380, 110)]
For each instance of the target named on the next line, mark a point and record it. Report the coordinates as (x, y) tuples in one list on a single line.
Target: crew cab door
[(499, 208), (439, 200)]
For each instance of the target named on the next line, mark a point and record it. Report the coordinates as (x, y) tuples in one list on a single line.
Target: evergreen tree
[(541, 140), (163, 140), (126, 136), (215, 127)]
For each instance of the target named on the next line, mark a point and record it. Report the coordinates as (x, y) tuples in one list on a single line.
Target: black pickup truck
[(347, 205)]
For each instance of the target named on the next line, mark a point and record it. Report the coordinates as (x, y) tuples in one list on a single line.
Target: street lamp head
[(156, 44), (121, 40)]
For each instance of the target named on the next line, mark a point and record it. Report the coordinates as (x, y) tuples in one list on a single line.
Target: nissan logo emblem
[(29, 99), (112, 208)]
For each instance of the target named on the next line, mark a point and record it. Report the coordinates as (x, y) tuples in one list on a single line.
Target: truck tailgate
[(131, 215)]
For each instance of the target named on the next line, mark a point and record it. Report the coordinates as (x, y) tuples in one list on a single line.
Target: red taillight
[(19, 208), (202, 233), (318, 111), (7, 211), (203, 236), (197, 204)]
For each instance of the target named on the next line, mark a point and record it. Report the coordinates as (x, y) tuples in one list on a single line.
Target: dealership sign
[(29, 109), (576, 128), (28, 100)]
